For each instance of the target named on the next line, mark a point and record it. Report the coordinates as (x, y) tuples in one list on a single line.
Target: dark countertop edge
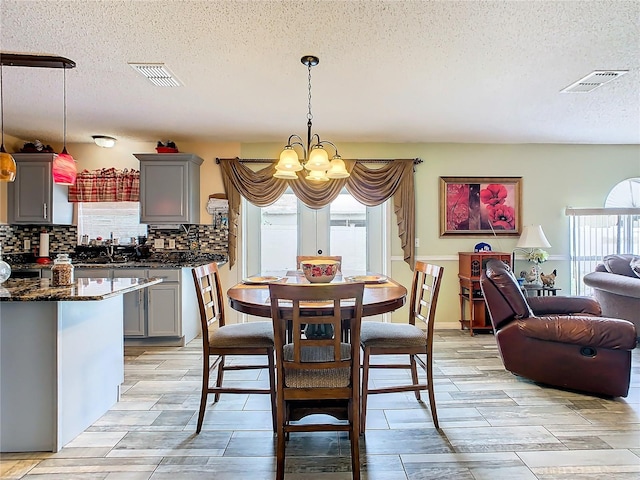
[(116, 265), (52, 298)]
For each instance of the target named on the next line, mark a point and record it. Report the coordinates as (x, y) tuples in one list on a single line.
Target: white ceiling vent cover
[(157, 73), (593, 81)]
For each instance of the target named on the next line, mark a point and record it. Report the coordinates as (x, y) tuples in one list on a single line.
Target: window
[(100, 219)]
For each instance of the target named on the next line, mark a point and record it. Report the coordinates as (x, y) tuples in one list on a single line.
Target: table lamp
[(532, 237)]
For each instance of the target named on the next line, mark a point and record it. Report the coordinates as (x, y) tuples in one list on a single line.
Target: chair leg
[(205, 391), (272, 388), (354, 436), (432, 395), (365, 389), (280, 444), (219, 377), (414, 375)]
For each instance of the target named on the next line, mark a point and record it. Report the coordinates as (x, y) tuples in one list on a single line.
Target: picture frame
[(480, 206)]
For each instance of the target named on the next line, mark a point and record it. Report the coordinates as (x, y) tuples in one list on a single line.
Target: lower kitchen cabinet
[(134, 304), (165, 310)]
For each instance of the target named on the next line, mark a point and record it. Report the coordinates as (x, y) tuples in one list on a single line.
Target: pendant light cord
[(64, 102), (309, 114), (2, 110)]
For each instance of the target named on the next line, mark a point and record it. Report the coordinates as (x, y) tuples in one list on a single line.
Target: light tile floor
[(495, 426)]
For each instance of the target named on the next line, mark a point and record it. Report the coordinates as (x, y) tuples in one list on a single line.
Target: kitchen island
[(61, 358)]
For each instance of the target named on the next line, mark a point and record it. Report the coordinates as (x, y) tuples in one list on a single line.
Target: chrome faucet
[(110, 247)]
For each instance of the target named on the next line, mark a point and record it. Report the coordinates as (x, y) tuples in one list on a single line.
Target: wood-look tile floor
[(494, 426)]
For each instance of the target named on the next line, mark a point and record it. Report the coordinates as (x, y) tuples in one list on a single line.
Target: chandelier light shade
[(64, 166), (7, 163), (315, 158), (286, 174), (289, 161)]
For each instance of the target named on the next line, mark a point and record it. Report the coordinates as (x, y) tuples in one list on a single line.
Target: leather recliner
[(559, 341)]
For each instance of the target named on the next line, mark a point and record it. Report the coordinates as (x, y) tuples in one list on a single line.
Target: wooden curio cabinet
[(473, 312)]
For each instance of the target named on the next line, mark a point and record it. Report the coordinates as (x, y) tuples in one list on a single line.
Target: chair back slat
[(424, 294), (314, 354), (208, 287)]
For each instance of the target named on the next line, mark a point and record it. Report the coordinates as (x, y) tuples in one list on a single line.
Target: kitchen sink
[(103, 260)]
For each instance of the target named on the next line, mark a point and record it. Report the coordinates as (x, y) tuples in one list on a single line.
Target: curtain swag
[(370, 186), (106, 185)]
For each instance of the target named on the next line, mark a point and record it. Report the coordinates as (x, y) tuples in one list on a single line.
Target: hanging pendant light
[(64, 166), (315, 158), (7, 163)]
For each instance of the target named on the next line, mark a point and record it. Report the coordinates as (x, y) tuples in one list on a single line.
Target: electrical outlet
[(417, 242), (27, 245), (158, 243), (172, 244)]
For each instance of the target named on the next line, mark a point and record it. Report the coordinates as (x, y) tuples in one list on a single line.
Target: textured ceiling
[(390, 71)]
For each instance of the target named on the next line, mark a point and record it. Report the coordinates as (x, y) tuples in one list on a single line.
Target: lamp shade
[(64, 169), (7, 167), (533, 237)]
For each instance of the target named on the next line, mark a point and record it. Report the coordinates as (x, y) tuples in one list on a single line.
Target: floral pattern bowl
[(320, 271)]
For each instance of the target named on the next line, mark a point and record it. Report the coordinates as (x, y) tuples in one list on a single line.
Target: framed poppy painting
[(480, 206)]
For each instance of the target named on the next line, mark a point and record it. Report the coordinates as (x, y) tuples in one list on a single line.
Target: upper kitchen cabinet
[(33, 198), (169, 188)]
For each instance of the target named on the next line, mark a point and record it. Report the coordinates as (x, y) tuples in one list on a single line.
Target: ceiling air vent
[(593, 81), (156, 73)]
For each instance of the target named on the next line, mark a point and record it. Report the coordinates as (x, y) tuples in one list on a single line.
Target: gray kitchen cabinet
[(164, 304), (169, 188), (33, 198), (134, 304), (164, 310)]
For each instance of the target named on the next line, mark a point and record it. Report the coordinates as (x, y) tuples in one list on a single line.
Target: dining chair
[(413, 339), (220, 340), (304, 258), (318, 375)]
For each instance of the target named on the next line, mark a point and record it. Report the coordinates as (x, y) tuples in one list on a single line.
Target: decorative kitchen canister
[(62, 271)]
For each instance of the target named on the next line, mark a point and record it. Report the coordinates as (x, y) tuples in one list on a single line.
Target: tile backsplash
[(64, 238)]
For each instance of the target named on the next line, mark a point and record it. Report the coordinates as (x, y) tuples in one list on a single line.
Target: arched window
[(625, 194)]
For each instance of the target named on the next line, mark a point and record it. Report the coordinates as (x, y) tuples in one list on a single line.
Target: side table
[(536, 291)]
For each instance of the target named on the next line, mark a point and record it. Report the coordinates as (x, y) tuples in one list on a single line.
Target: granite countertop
[(163, 260), (40, 289)]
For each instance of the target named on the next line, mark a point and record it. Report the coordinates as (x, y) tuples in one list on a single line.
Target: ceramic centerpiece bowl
[(320, 271)]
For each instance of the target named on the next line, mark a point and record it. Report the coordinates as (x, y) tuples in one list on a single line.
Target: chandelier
[(315, 158)]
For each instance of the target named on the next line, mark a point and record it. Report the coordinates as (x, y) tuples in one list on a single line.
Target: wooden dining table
[(381, 294)]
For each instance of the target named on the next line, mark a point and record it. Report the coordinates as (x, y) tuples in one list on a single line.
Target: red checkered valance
[(106, 185)]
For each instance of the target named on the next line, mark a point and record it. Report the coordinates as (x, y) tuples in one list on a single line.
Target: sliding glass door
[(275, 235)]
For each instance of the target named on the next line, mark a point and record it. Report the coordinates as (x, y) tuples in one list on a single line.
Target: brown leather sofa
[(559, 341)]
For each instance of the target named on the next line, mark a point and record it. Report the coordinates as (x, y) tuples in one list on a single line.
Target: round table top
[(380, 297)]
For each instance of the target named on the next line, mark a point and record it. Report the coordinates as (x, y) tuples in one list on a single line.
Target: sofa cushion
[(619, 264), (635, 266)]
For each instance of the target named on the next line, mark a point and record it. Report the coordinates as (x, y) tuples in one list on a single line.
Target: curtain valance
[(370, 186), (106, 185)]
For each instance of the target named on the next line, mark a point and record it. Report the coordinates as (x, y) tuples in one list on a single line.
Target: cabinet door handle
[(44, 210)]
